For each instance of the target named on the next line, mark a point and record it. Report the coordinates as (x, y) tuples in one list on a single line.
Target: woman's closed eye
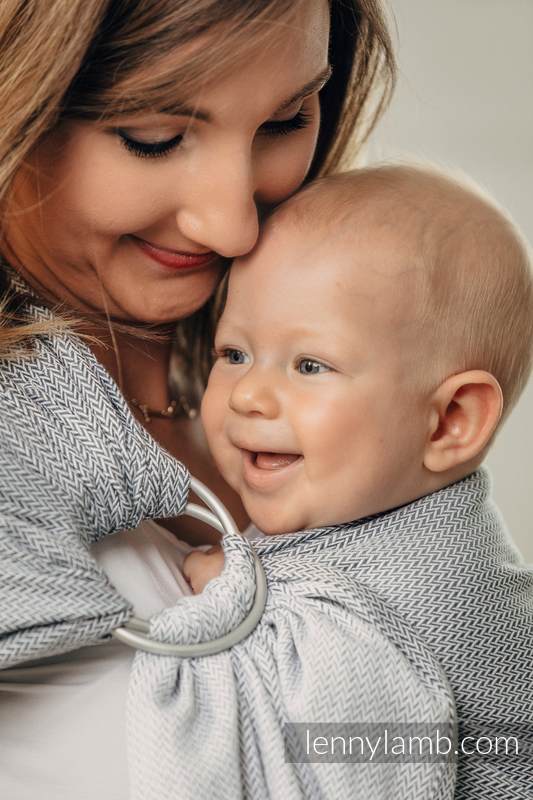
[(157, 148), (283, 127), (149, 149)]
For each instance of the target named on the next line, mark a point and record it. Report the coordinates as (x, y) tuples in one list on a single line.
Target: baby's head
[(369, 347)]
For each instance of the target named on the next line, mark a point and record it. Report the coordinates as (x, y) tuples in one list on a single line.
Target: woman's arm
[(74, 467)]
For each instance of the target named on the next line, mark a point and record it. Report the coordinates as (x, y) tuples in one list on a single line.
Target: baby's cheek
[(228, 461), (211, 412)]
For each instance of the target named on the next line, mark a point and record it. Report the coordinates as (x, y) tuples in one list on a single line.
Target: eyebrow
[(318, 83), (315, 85)]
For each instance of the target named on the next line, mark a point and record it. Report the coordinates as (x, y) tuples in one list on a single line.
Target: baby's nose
[(252, 395)]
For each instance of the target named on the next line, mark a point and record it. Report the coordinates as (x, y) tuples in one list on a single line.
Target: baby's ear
[(464, 413)]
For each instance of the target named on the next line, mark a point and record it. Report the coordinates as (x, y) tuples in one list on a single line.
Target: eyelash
[(160, 149), (283, 127), (225, 353), (149, 149), (324, 367)]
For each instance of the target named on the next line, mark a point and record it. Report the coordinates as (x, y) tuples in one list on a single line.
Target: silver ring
[(135, 632)]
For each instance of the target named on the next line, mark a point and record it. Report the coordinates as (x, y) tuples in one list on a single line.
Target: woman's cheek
[(285, 163), (105, 190)]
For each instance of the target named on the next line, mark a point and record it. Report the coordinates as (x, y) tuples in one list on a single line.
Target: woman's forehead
[(293, 46)]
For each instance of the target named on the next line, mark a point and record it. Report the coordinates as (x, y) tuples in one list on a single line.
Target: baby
[(369, 349)]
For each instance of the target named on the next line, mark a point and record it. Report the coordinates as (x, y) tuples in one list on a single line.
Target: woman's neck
[(140, 367)]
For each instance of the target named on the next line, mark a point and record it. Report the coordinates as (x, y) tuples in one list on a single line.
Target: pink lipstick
[(173, 258)]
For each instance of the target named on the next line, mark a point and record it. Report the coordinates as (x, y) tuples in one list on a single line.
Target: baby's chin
[(270, 530), (270, 517), (273, 522)]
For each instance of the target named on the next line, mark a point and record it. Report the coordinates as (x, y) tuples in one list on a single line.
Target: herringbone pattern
[(420, 614), (74, 466)]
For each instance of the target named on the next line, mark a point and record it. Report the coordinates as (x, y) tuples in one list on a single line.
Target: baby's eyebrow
[(314, 85)]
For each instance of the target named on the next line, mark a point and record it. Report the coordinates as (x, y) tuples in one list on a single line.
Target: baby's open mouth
[(265, 471), (264, 460)]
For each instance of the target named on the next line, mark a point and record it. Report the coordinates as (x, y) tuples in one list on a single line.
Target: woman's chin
[(152, 307)]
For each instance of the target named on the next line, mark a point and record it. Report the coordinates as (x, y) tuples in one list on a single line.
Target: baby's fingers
[(201, 566)]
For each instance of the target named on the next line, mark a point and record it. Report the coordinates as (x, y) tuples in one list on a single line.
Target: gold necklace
[(176, 409)]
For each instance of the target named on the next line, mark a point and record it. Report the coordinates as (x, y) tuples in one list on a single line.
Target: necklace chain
[(176, 409)]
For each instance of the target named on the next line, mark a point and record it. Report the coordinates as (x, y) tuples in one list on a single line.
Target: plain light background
[(464, 99)]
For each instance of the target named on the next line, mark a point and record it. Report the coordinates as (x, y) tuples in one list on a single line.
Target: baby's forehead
[(400, 236), (358, 251), (368, 268), (394, 223)]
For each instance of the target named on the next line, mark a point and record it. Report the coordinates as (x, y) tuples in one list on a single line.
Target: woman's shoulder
[(50, 360), (58, 394), (67, 428), (56, 379), (51, 355)]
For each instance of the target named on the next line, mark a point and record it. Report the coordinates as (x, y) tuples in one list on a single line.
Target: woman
[(141, 142)]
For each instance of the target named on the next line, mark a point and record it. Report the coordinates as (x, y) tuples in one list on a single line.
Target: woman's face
[(147, 203)]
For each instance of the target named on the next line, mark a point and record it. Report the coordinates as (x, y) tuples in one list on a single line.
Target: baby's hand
[(202, 565)]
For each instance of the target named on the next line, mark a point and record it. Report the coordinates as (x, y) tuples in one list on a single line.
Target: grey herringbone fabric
[(74, 466), (387, 620), (400, 618)]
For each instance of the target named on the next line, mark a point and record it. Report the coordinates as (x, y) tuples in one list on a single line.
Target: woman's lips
[(267, 470), (172, 258)]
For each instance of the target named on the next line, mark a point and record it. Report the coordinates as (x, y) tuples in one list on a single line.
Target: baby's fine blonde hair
[(466, 263)]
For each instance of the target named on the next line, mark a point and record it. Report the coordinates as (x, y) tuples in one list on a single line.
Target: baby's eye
[(233, 356), (308, 366)]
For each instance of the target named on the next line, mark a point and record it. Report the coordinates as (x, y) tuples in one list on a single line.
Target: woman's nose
[(254, 395), (221, 213)]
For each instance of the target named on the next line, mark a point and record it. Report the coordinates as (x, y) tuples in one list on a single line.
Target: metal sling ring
[(136, 631)]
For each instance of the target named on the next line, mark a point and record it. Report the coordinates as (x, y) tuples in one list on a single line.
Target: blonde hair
[(479, 290), (470, 267), (94, 59)]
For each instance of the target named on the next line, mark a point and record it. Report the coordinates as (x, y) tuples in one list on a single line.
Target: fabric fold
[(219, 609), (75, 466), (365, 625)]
